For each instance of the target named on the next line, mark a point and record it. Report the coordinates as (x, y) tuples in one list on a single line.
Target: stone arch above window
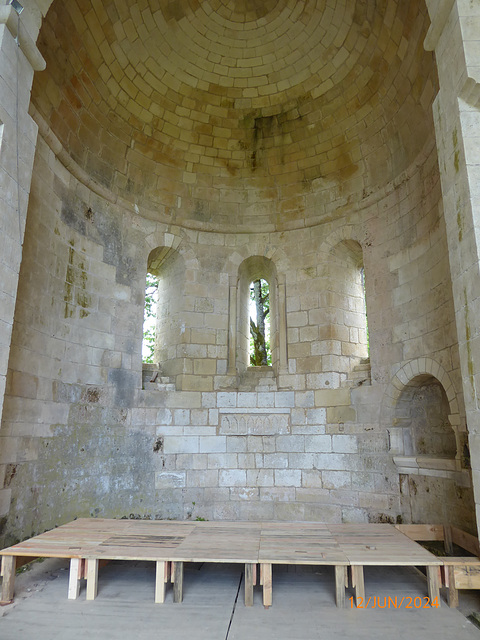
[(251, 269)]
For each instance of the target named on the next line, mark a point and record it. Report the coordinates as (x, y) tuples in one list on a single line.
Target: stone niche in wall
[(430, 455), (422, 437), (422, 412)]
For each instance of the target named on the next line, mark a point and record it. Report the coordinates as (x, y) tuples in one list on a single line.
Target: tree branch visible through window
[(260, 354), (149, 318)]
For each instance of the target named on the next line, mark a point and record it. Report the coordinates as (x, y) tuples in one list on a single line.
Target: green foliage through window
[(260, 353), (149, 318)]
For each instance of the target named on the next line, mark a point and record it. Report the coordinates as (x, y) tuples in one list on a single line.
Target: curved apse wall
[(225, 130), (238, 115)]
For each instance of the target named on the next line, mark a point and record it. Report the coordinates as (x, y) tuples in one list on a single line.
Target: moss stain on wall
[(468, 334), (76, 285), (456, 157)]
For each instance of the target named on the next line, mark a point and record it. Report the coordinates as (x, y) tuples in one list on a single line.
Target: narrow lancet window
[(150, 318), (260, 353), (362, 279)]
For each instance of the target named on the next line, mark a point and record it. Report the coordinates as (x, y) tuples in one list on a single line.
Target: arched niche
[(166, 264), (433, 466), (423, 411), (344, 332)]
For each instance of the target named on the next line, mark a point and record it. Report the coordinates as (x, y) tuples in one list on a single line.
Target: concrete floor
[(303, 607)]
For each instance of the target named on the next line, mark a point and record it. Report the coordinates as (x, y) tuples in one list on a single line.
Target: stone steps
[(153, 380), (360, 376)]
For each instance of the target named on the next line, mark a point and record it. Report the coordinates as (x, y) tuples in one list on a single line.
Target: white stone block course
[(344, 444), (181, 417), (202, 478), (336, 480), (260, 477), (170, 480), (200, 431), (226, 399), (266, 399), (185, 444), (222, 461), (288, 478), (316, 416), (318, 444), (232, 478), (284, 399), (290, 444), (213, 444), (246, 399), (275, 460)]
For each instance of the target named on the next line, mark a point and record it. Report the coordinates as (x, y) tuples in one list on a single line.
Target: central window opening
[(259, 308), (256, 342), (150, 318)]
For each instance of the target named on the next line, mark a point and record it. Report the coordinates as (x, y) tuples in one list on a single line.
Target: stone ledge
[(431, 466)]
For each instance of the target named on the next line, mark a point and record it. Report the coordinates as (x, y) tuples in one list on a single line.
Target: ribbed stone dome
[(238, 114)]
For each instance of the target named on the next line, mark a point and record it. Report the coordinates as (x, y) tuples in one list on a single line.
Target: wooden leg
[(160, 582), (255, 568), (433, 584), (447, 539), (92, 578), (267, 584), (340, 586), (452, 590), (9, 565), (346, 576), (76, 574), (444, 576), (172, 572), (168, 571), (359, 583), (249, 571), (178, 582)]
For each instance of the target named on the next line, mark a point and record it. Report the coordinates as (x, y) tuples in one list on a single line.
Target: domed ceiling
[(238, 114)]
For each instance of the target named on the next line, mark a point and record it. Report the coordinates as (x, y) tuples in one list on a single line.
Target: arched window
[(364, 308), (164, 331), (150, 318), (344, 333), (251, 270)]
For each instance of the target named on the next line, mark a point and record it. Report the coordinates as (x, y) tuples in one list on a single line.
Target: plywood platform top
[(380, 544), (242, 542)]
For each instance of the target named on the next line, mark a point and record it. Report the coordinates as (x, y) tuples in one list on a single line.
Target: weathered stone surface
[(341, 169), (254, 424)]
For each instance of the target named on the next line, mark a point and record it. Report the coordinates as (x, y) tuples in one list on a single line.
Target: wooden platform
[(458, 572), (90, 542)]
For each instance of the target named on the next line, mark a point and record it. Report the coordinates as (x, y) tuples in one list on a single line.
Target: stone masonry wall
[(18, 135), (80, 436)]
